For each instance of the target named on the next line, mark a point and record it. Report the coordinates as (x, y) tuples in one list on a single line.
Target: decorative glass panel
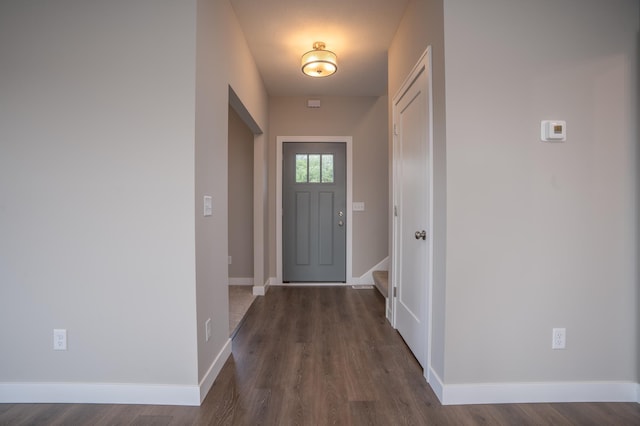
[(327, 168), (314, 168), (301, 168)]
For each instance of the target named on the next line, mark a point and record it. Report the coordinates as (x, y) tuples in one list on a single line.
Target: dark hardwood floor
[(320, 356)]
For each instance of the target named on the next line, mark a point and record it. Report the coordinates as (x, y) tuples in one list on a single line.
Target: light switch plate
[(207, 329), (358, 206), (208, 205)]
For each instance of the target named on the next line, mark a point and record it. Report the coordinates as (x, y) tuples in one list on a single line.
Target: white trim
[(423, 65), (261, 290), (260, 157), (387, 309), (241, 281), (114, 393), (259, 205), (512, 393), (99, 393), (348, 140), (435, 382), (355, 281), (638, 394), (427, 56), (214, 370), (367, 277)]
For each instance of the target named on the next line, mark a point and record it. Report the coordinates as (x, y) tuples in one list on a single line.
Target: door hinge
[(395, 211), (395, 292), (395, 129)]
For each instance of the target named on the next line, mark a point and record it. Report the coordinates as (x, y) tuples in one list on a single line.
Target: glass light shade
[(319, 63)]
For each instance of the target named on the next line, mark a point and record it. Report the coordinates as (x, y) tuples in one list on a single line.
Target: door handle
[(421, 235), (340, 223)]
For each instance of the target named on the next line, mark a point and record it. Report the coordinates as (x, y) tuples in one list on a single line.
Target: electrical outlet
[(559, 340), (207, 329), (59, 339)]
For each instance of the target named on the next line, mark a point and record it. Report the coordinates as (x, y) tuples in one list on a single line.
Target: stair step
[(381, 280)]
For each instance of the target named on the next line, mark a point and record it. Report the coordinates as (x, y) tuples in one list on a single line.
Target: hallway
[(320, 356), (327, 355)]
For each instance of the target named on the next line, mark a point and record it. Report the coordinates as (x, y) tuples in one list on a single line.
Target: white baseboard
[(435, 382), (261, 290), (214, 370), (99, 393), (638, 394), (550, 392), (241, 281), (387, 309), (114, 393), (367, 277)]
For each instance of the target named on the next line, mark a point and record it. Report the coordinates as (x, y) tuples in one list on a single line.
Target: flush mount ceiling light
[(319, 62)]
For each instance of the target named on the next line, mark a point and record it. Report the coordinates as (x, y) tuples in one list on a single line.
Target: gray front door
[(314, 215)]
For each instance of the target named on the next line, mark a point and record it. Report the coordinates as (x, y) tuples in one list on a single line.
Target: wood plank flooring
[(320, 356)]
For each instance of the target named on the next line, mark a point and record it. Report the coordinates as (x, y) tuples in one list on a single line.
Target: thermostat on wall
[(553, 130)]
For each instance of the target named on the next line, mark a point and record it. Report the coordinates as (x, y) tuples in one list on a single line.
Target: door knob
[(340, 223), (421, 235)]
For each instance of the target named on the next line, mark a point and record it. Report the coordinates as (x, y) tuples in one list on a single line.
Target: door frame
[(423, 65), (280, 140)]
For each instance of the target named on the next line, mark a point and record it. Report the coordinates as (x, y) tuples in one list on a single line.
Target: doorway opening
[(240, 218), (246, 162)]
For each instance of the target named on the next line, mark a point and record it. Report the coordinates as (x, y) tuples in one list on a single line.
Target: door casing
[(280, 140), (424, 63)]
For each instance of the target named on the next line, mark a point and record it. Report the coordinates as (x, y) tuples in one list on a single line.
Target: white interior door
[(412, 197)]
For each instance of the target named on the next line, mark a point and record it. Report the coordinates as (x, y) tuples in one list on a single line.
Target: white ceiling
[(358, 31)]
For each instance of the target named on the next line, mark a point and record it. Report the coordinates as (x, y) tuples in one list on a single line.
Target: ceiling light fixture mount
[(319, 62)]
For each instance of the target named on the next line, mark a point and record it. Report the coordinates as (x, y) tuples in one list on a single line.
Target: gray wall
[(96, 191), (364, 118), (541, 235), (218, 36), (535, 235), (240, 204), (102, 175), (422, 26)]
